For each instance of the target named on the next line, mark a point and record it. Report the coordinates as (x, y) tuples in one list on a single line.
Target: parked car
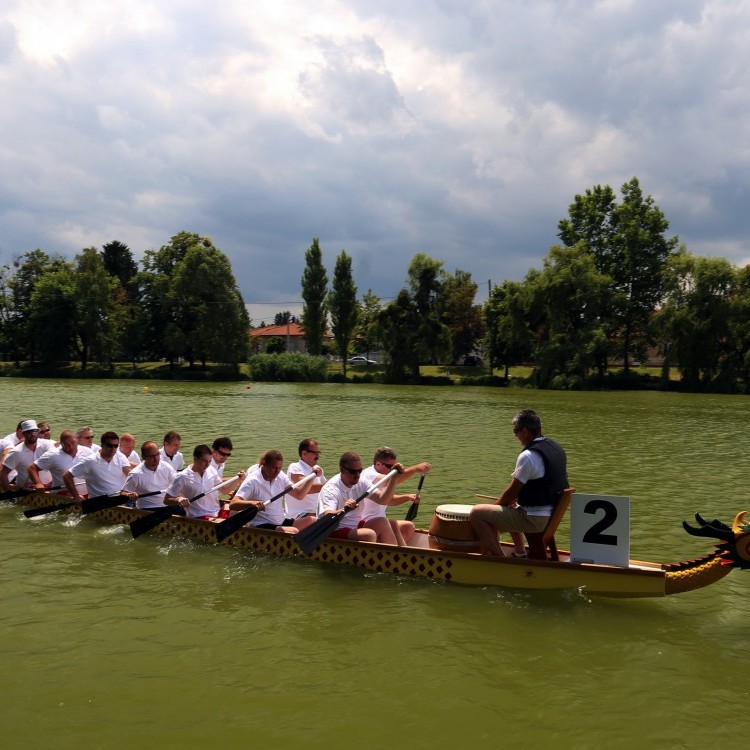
[(361, 361), (472, 361)]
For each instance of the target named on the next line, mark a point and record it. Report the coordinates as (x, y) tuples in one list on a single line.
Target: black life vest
[(546, 491)]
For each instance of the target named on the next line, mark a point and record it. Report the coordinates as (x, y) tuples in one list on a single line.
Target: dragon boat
[(423, 559)]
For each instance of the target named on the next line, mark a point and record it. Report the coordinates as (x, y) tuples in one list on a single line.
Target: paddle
[(229, 525), (91, 505), (314, 535), (152, 520), (411, 514), (102, 502)]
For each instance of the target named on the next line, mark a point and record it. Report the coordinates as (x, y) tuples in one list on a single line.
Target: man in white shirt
[(151, 475), (309, 453), (127, 448), (400, 531), (23, 454), (260, 486), (170, 450), (342, 491), (104, 470), (57, 460), (199, 478)]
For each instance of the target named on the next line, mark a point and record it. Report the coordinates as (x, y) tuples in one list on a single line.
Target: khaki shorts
[(506, 518)]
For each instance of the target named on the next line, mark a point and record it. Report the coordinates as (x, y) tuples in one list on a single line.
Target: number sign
[(600, 529)]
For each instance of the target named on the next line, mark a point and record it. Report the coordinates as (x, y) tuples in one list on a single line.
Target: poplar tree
[(314, 286), (342, 303)]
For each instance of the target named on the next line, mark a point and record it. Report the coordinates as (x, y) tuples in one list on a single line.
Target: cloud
[(459, 130)]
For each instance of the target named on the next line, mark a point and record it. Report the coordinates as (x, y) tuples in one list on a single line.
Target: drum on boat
[(450, 529)]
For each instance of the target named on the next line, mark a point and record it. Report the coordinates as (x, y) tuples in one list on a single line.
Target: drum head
[(453, 512)]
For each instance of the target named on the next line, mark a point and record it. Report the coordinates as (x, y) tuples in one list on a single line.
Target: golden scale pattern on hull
[(732, 551), (415, 563)]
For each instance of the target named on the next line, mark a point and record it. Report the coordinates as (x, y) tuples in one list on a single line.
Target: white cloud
[(388, 128)]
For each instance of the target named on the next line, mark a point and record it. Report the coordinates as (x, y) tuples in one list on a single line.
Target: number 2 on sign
[(594, 535)]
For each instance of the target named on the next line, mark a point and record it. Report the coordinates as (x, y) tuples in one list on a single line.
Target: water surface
[(108, 642)]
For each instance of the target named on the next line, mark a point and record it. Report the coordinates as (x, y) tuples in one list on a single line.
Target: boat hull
[(638, 580)]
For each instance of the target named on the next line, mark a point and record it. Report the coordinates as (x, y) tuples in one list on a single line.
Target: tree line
[(615, 289), (182, 303), (432, 320)]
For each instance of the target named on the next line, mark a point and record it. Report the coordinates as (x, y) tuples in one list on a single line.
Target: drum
[(450, 529)]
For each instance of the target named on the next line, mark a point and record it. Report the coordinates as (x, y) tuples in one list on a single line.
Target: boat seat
[(542, 545)]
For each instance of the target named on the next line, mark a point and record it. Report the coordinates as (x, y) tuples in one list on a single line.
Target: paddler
[(150, 475), (267, 482), (394, 530), (309, 453), (57, 460), (528, 501), (199, 478), (341, 492), (104, 470), (22, 455)]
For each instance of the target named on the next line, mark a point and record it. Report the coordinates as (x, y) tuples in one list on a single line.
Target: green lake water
[(108, 642)]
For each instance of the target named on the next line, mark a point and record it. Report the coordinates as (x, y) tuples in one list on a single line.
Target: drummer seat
[(542, 545)]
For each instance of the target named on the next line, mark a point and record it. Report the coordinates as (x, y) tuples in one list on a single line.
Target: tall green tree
[(366, 338), (695, 323), (165, 336), (17, 305), (211, 321), (508, 338), (398, 329), (461, 315), (314, 286), (426, 277), (342, 303), (628, 240), (119, 262), (566, 302), (53, 314)]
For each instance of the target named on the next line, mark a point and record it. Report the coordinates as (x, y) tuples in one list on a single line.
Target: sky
[(458, 128)]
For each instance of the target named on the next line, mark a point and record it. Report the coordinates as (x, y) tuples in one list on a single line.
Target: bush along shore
[(304, 368)]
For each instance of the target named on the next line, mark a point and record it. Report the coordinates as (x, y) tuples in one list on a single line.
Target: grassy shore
[(429, 374)]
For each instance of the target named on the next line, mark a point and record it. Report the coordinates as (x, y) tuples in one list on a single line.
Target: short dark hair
[(305, 445), (270, 456), (347, 458), (529, 419), (384, 452), (201, 450), (222, 442), (107, 436), (171, 436)]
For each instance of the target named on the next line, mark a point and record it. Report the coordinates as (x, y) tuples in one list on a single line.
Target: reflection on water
[(109, 642)]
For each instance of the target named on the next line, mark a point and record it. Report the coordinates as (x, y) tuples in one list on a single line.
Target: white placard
[(600, 529)]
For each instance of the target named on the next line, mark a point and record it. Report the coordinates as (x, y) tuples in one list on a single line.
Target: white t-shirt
[(256, 487), (102, 477), (142, 480), (20, 457), (335, 493), (309, 503), (530, 465), (189, 484), (371, 508), (177, 462), (57, 462)]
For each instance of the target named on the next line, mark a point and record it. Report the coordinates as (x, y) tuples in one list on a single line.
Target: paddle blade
[(309, 539), (93, 504), (34, 512), (411, 514), (229, 525), (151, 521)]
